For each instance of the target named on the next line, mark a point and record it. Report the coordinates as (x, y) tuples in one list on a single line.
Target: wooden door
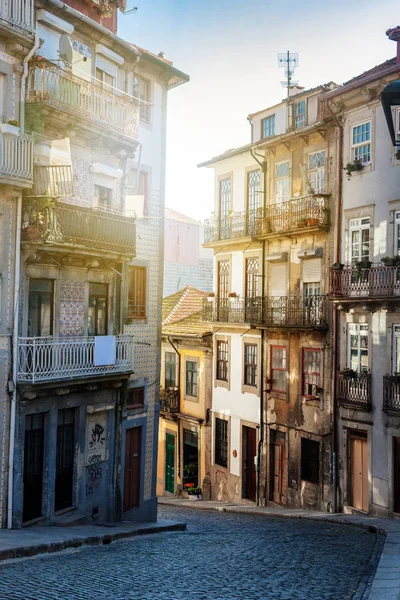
[(249, 473), (170, 463), (64, 458), (278, 467), (359, 472), (33, 466), (396, 475), (132, 468)]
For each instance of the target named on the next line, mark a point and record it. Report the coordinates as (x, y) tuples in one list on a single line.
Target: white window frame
[(355, 145), (271, 126), (144, 85), (361, 224), (396, 235), (109, 186), (300, 120), (282, 194), (359, 329), (316, 175), (395, 339)]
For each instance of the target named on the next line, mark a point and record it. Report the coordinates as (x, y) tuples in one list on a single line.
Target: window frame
[(169, 353), (140, 309), (110, 194), (253, 191), (270, 119), (396, 234), (283, 195), (97, 297), (250, 365), (358, 328), (131, 393), (355, 145), (222, 364), (304, 373), (280, 369), (221, 382), (357, 224), (192, 383), (308, 471), (226, 196), (143, 96), (317, 189), (299, 115), (40, 294), (101, 75), (221, 442)]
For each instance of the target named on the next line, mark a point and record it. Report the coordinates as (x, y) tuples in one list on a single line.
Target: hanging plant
[(356, 165)]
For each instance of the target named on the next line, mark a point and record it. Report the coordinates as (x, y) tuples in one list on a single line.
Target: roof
[(177, 78), (176, 216), (181, 313), (374, 71)]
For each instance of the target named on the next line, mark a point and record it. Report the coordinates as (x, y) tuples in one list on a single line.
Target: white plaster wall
[(280, 120)]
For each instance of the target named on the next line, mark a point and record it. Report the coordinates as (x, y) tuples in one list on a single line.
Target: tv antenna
[(289, 61)]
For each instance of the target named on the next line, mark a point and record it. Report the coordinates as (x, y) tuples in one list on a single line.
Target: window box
[(351, 167), (9, 128), (363, 264)]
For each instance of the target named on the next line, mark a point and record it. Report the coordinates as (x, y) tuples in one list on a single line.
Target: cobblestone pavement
[(220, 556)]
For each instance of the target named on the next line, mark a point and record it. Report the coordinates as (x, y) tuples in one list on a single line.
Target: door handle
[(137, 454)]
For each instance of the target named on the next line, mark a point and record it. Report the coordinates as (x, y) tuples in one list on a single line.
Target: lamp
[(390, 97)]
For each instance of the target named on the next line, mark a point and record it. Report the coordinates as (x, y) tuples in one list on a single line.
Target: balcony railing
[(58, 88), (296, 214), (18, 13), (44, 359), (53, 180), (269, 311), (391, 393), (16, 157), (233, 226), (354, 389), (375, 281), (169, 400), (70, 224)]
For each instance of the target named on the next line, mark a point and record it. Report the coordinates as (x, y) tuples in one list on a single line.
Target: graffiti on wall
[(96, 438), (94, 474)]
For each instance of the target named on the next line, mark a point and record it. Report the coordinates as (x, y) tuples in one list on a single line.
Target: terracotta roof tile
[(182, 312)]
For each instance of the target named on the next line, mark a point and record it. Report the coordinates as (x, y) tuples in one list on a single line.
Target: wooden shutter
[(277, 286), (312, 270)]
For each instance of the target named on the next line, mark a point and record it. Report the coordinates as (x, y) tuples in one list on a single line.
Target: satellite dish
[(65, 49)]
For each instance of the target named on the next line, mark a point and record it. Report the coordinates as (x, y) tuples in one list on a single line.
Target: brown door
[(278, 467), (359, 471), (396, 473), (249, 473), (132, 468)]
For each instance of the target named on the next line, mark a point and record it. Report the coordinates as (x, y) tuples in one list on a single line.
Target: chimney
[(297, 89), (394, 34)]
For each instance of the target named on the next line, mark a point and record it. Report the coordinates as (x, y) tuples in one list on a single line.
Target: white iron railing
[(18, 13), (49, 358), (16, 155)]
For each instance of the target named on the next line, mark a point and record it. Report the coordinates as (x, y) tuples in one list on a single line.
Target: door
[(64, 458), (249, 473), (359, 471), (170, 463), (190, 458), (132, 468), (276, 307), (33, 466), (396, 475), (278, 467), (223, 290)]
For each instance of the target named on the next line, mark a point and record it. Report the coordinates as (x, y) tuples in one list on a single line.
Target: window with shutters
[(311, 372), (278, 369), (309, 460), (137, 293), (170, 369), (282, 182), (141, 91), (221, 442)]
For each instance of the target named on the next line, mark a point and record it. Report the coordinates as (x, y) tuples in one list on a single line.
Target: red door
[(132, 468)]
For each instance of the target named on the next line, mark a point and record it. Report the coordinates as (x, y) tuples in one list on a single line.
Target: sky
[(229, 49)]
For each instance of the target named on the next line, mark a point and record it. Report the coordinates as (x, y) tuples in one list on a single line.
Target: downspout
[(335, 310), (179, 392), (11, 451)]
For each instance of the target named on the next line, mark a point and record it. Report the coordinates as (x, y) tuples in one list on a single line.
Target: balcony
[(169, 400), (45, 359), (62, 223), (53, 180), (297, 312), (59, 89), (298, 215), (391, 393), (16, 159), (233, 227), (354, 389), (373, 282), (18, 14)]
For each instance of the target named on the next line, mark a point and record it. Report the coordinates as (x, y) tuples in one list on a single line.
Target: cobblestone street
[(220, 556)]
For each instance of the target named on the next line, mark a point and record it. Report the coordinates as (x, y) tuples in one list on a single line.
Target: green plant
[(190, 470), (194, 491), (356, 165), (13, 122)]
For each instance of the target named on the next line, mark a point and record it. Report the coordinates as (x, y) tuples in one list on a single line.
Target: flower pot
[(31, 233), (10, 129), (364, 264)]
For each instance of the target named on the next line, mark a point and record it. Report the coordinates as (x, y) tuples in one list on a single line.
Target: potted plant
[(232, 296), (210, 296), (337, 267), (11, 127), (194, 492), (349, 373), (38, 219), (363, 264), (302, 223), (356, 165), (312, 222)]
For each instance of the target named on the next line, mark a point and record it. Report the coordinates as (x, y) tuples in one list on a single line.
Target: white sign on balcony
[(104, 350)]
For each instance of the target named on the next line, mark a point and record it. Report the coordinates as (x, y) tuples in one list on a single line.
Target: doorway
[(190, 458), (396, 474), (65, 458), (170, 463), (133, 442), (33, 466), (278, 467), (249, 473), (359, 470)]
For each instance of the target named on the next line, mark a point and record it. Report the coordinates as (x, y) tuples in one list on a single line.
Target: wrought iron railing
[(233, 226), (53, 180), (56, 87), (354, 389), (169, 400), (296, 214), (16, 156), (70, 224), (18, 13), (271, 311), (51, 358), (391, 393), (372, 281)]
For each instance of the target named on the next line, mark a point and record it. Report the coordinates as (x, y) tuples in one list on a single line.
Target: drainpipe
[(179, 392), (336, 323), (11, 451)]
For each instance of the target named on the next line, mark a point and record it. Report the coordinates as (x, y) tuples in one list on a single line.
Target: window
[(397, 233), (282, 182), (107, 81), (359, 239), (141, 91), (224, 197), (396, 350), (137, 293), (316, 172), (309, 460), (135, 398), (222, 361), (221, 442), (311, 379), (299, 114), (361, 143), (250, 364), (103, 197), (40, 312), (253, 191), (268, 126), (140, 188), (357, 344), (170, 369), (191, 378), (223, 279), (98, 309), (278, 369), (252, 277)]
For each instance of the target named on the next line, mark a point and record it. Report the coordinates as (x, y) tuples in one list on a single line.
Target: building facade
[(184, 443), (90, 279)]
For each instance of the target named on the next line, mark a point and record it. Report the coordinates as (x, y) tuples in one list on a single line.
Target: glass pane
[(33, 316), (92, 316), (101, 316), (45, 315)]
